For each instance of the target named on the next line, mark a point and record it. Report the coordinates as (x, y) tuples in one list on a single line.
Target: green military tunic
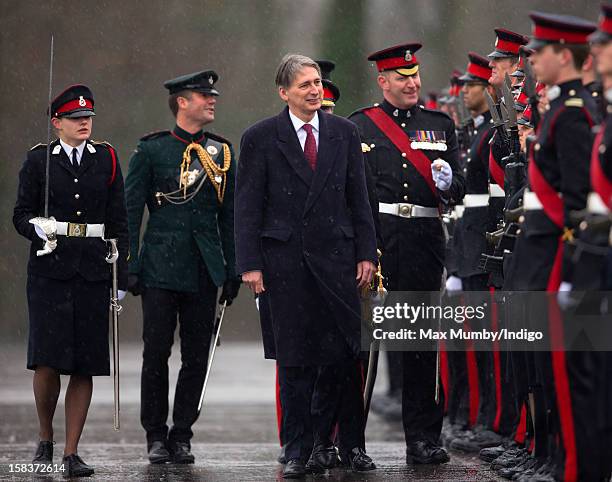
[(179, 237)]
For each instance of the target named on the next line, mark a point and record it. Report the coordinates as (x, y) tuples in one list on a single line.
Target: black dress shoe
[(158, 453), (324, 456), (181, 453), (44, 453), (75, 467), (294, 469), (359, 461), (425, 452)]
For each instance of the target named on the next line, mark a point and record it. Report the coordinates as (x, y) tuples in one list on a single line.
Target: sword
[(48, 131), (45, 223), (217, 331), (115, 309)]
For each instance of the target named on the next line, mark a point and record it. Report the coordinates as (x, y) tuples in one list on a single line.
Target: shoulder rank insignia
[(574, 102), (365, 147)]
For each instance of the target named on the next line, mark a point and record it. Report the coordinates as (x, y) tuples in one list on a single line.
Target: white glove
[(442, 174), (121, 294), (41, 234), (564, 296), (453, 283)]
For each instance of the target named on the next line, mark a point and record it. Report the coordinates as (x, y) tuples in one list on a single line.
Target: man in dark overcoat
[(305, 236)]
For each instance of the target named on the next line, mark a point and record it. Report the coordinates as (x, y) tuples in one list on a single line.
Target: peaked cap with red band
[(478, 69), (400, 58), (75, 101), (604, 28), (455, 83), (507, 44), (331, 92), (551, 28)]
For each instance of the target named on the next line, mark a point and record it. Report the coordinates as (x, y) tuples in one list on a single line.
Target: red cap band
[(395, 63), (75, 104), (605, 25), (479, 71), (558, 36), (507, 46), (328, 94)]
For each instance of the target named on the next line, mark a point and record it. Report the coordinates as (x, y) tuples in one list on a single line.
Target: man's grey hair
[(290, 66)]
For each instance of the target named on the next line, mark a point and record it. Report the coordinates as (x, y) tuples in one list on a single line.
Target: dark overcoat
[(306, 231)]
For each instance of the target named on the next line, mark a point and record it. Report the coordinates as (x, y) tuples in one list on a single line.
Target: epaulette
[(102, 143), (435, 111), (218, 138), (154, 135), (38, 146), (574, 102), (363, 109)]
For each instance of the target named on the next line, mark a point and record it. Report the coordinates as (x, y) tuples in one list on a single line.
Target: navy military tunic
[(414, 249), (69, 289), (474, 221)]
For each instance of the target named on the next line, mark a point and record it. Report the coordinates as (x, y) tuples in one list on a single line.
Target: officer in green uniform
[(185, 177)]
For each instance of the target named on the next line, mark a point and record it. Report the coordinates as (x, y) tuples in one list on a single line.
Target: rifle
[(529, 84)]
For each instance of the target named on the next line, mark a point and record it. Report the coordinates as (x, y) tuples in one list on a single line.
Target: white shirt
[(301, 133), (68, 150)]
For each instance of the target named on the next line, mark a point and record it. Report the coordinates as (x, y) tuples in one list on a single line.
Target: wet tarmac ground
[(235, 437)]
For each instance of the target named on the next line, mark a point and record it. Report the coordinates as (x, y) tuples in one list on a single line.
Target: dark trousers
[(351, 415), (310, 397), (195, 313), (421, 415)]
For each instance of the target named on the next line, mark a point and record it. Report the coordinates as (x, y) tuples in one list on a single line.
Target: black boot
[(425, 452), (181, 453), (158, 453), (44, 453), (75, 467)]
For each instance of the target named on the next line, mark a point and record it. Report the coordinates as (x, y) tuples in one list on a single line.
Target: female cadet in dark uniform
[(69, 279)]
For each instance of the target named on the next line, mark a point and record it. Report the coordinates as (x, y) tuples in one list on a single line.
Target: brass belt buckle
[(405, 211), (77, 230)]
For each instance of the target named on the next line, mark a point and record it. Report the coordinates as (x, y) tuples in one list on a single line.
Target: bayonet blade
[(509, 101), (497, 121), (529, 83)]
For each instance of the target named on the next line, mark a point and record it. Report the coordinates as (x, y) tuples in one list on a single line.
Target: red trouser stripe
[(521, 430), (444, 373), (562, 388), (279, 408)]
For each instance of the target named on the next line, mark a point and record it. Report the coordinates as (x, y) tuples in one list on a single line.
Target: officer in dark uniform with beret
[(413, 155), (185, 178), (69, 279)]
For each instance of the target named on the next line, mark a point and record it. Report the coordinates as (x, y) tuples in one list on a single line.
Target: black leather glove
[(134, 286), (229, 291)]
